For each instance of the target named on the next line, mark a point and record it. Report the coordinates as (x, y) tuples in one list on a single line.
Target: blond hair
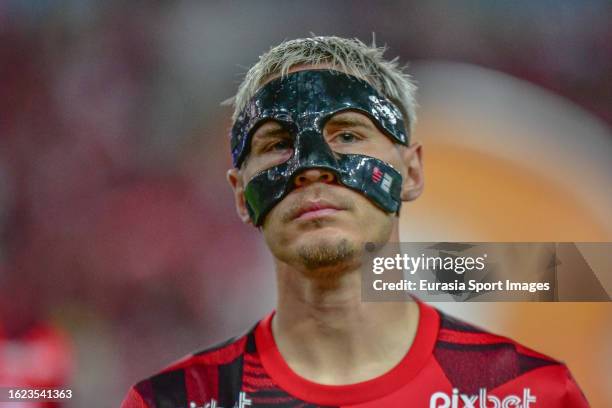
[(351, 56)]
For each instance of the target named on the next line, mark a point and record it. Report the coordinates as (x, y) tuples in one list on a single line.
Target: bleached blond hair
[(348, 55)]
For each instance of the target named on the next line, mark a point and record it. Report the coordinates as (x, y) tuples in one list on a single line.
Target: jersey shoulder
[(473, 359), (209, 370)]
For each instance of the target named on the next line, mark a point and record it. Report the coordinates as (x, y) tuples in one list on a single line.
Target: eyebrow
[(269, 133)]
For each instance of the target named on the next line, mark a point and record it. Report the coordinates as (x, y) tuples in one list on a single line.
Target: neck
[(326, 334)]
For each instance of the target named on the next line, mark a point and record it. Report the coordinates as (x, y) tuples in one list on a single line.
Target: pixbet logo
[(482, 400), (242, 402)]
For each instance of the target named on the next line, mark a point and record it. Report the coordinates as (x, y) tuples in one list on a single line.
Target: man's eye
[(280, 145), (346, 137)]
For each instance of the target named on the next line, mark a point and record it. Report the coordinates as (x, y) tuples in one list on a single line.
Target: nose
[(314, 175)]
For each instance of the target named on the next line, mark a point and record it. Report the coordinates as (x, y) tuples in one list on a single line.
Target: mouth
[(316, 209)]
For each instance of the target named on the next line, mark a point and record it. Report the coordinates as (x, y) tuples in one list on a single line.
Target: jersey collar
[(338, 395)]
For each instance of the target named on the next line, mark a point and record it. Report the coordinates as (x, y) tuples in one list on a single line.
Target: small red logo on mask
[(377, 175)]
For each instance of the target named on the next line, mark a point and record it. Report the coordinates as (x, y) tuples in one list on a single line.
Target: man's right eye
[(280, 145)]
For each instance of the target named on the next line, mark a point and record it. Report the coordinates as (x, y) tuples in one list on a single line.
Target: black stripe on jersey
[(472, 347), (230, 382), (451, 323), (526, 362), (251, 347), (227, 342), (169, 389), (145, 389), (470, 367), (271, 393)]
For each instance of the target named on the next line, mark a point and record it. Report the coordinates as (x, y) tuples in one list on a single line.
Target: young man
[(323, 160)]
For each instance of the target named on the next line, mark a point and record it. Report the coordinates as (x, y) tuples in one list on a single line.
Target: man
[(323, 160)]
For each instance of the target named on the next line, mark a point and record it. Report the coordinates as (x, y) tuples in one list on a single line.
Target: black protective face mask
[(301, 103)]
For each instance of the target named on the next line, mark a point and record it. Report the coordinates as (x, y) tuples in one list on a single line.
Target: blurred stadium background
[(119, 248)]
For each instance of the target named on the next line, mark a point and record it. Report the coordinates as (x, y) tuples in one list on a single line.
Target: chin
[(326, 251)]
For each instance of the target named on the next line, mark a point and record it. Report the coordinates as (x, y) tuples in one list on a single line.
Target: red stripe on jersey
[(266, 401), (252, 365), (202, 383), (254, 369), (252, 361), (133, 400), (259, 382)]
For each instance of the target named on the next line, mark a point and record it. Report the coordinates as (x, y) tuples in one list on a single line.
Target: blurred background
[(119, 248)]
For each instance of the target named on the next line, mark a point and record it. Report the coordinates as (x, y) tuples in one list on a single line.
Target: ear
[(414, 181), (234, 178)]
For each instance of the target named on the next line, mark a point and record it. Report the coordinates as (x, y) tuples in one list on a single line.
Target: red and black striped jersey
[(450, 364)]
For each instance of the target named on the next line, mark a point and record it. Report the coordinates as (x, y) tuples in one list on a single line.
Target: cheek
[(371, 218), (365, 214), (272, 227), (367, 209), (250, 168), (393, 157), (248, 173)]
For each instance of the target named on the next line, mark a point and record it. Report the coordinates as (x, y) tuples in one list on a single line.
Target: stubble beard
[(328, 260)]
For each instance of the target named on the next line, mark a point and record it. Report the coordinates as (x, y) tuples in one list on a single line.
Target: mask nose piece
[(311, 150), (314, 160)]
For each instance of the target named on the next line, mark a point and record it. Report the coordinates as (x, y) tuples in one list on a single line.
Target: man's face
[(322, 224)]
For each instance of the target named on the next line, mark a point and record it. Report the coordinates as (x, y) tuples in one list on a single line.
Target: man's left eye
[(347, 137)]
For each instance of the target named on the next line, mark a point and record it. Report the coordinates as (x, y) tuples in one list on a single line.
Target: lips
[(315, 209)]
